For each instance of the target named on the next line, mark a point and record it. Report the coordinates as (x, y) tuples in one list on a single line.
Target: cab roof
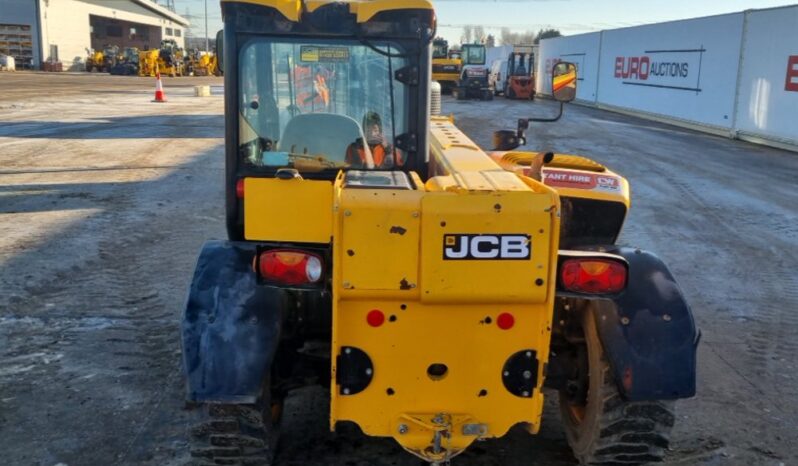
[(364, 10)]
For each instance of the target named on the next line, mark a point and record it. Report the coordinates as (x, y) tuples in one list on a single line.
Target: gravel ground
[(105, 199)]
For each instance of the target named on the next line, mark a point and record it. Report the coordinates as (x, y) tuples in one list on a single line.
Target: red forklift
[(520, 76)]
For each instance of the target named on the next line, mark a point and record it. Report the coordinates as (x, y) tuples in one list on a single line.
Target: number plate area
[(426, 368)]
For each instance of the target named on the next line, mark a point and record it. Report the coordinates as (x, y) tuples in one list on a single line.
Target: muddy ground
[(105, 199)]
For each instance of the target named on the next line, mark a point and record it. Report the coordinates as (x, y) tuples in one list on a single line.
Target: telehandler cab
[(436, 289)]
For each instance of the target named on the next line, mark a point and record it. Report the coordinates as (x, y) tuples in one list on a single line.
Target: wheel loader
[(170, 59), (94, 60), (148, 62), (434, 288), (128, 65), (199, 63)]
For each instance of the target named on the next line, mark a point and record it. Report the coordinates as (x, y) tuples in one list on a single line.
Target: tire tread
[(232, 434), (627, 432)]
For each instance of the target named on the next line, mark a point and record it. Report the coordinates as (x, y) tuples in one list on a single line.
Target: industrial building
[(36, 31)]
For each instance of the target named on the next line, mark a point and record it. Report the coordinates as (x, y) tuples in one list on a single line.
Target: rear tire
[(509, 93), (245, 434), (603, 428)]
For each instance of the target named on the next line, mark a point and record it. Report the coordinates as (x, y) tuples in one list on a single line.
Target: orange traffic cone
[(159, 94)]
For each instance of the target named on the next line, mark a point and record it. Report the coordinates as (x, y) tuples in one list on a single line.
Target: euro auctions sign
[(678, 69)]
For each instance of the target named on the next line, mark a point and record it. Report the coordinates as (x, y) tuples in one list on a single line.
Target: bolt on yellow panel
[(293, 210)]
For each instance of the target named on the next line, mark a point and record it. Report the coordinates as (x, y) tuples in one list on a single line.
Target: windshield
[(315, 105), (439, 49), (474, 54)]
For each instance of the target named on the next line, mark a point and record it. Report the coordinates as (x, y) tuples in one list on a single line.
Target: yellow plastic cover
[(293, 210)]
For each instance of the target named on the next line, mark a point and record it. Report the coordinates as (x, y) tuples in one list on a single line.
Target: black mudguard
[(231, 326), (653, 353)]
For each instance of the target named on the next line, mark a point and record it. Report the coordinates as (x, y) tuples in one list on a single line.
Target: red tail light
[(240, 188), (288, 267), (590, 275)]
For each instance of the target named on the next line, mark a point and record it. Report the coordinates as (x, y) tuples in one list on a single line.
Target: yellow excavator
[(445, 67), (433, 287)]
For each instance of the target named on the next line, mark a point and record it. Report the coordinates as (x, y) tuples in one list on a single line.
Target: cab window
[(315, 105)]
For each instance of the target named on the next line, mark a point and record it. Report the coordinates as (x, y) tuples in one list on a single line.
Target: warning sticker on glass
[(313, 54)]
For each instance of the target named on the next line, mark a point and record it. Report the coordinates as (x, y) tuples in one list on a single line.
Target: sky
[(569, 16)]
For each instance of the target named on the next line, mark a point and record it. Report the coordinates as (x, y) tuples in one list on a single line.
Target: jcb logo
[(486, 247)]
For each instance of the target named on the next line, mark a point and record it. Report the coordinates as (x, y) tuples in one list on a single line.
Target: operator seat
[(326, 134)]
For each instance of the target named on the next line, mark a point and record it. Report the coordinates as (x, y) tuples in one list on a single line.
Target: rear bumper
[(492, 381)]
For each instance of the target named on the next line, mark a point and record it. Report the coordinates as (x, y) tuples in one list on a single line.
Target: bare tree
[(506, 36), (479, 35), (516, 38), (490, 41), (468, 34)]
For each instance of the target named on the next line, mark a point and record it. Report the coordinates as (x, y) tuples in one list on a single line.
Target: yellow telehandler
[(433, 287)]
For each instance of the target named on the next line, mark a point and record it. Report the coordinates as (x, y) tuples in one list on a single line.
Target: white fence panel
[(768, 94), (582, 50), (685, 70)]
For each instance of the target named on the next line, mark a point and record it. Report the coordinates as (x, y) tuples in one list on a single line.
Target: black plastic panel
[(354, 370), (586, 222), (520, 373)]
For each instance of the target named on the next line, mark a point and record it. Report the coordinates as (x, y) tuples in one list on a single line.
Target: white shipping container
[(583, 51), (767, 104), (685, 70)]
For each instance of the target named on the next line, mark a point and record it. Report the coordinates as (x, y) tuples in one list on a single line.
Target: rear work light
[(591, 275), (289, 267)]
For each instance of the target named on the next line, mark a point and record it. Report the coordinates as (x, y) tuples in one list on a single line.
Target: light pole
[(207, 49)]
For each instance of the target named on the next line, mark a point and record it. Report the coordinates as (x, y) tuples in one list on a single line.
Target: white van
[(497, 78)]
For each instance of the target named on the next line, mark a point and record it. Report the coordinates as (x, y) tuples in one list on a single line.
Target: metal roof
[(168, 14)]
